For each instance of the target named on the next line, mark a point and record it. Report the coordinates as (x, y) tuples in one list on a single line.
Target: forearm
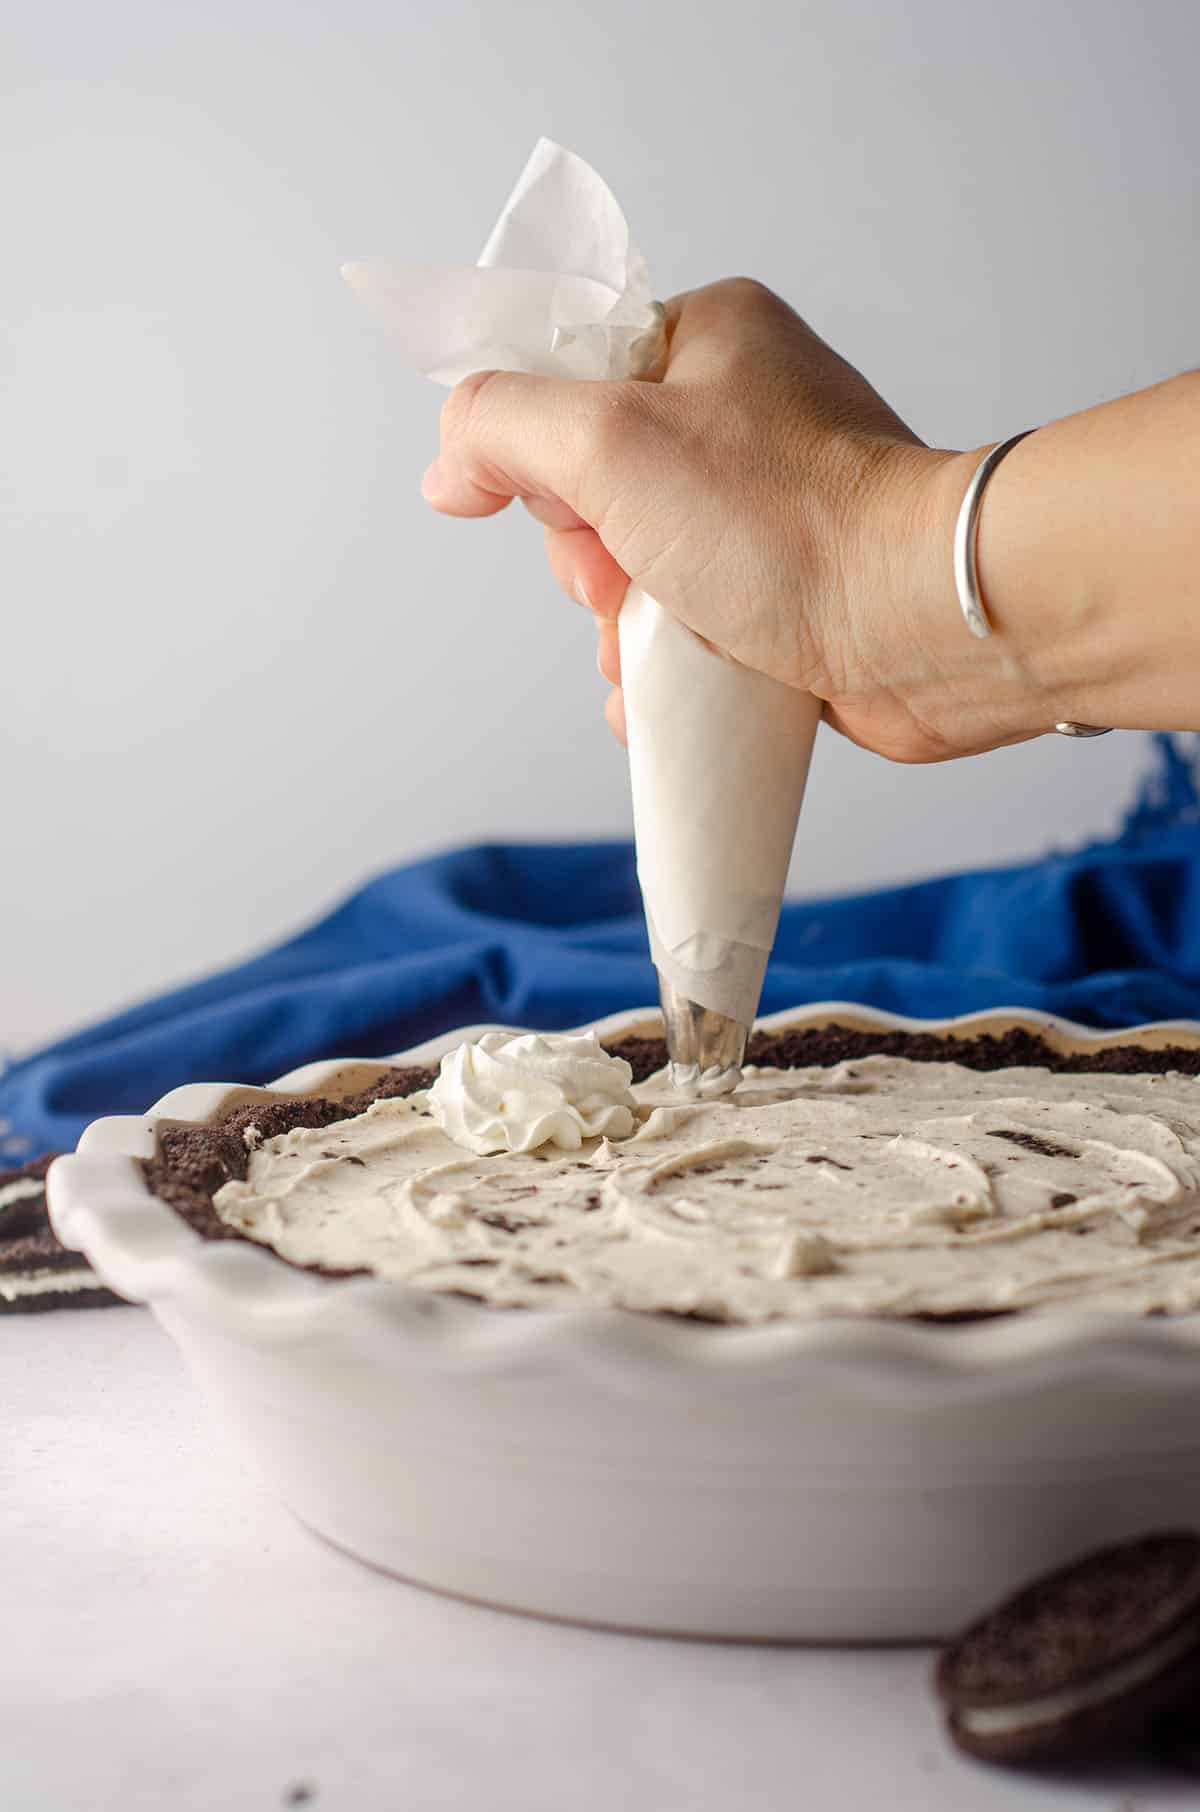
[(1089, 565)]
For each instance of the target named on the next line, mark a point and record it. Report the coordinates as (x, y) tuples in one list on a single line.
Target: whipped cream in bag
[(718, 755)]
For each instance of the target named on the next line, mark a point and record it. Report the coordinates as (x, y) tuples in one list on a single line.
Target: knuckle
[(747, 292), (460, 411)]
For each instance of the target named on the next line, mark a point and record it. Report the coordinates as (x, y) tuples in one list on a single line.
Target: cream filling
[(14, 1285), (21, 1190), (879, 1187), (1004, 1720)]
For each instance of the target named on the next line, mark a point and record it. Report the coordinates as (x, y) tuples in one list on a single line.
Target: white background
[(219, 589)]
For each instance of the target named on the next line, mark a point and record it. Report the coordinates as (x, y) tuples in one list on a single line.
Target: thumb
[(506, 434)]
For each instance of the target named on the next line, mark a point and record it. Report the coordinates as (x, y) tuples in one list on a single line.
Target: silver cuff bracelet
[(966, 569)]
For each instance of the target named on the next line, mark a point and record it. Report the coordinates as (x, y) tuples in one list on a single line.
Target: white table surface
[(172, 1642)]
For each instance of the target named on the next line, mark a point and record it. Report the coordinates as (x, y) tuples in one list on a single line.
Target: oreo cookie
[(35, 1271), (1087, 1659)]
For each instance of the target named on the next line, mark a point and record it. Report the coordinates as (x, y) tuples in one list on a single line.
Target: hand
[(767, 497)]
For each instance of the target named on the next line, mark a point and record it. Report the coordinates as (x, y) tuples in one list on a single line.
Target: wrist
[(1014, 683), (1050, 597), (960, 693)]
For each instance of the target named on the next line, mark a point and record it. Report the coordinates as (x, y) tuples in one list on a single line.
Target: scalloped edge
[(100, 1205)]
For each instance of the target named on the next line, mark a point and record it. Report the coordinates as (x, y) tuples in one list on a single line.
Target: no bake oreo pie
[(853, 1172)]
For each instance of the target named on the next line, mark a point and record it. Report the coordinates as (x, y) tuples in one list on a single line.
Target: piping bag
[(718, 754)]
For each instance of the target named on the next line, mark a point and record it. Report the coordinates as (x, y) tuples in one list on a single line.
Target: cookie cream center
[(1123, 1677)]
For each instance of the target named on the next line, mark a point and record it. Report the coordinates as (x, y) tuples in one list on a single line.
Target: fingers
[(708, 327), (614, 712), (608, 652), (563, 445), (608, 659), (449, 490), (506, 434), (552, 512), (586, 570)]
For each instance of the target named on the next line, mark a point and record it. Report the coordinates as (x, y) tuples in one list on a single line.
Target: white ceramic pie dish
[(835, 1480)]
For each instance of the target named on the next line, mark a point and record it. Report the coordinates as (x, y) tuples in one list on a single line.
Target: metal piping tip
[(705, 1050)]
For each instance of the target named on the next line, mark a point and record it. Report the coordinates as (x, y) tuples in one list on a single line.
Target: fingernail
[(431, 484), (581, 594)]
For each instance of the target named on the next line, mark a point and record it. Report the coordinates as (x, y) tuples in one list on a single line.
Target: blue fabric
[(552, 936)]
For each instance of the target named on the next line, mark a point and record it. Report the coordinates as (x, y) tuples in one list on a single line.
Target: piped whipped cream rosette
[(506, 1093), (718, 754)]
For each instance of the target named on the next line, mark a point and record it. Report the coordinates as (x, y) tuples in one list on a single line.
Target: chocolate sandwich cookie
[(1088, 1658), (35, 1271)]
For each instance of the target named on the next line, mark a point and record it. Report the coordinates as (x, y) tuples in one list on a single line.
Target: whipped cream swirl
[(516, 1093)]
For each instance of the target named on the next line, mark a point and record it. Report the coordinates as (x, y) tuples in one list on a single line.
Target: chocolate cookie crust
[(193, 1162), (826, 1045)]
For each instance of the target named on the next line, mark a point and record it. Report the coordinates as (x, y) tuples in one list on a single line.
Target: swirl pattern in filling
[(879, 1186)]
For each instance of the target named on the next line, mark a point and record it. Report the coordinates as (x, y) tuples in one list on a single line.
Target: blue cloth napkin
[(552, 935)]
